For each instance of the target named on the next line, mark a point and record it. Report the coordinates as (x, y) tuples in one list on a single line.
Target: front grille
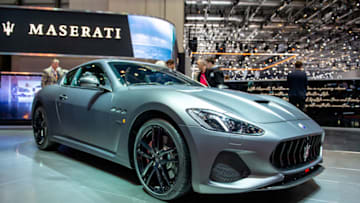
[(295, 153)]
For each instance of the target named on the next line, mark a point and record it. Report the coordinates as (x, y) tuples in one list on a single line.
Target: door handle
[(63, 97)]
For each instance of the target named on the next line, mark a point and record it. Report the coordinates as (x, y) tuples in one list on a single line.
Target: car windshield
[(143, 74)]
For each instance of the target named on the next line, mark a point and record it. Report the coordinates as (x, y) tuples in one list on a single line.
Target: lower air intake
[(228, 167)]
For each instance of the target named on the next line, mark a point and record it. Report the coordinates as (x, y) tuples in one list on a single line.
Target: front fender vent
[(262, 101)]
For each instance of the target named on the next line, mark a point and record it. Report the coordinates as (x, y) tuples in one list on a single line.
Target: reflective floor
[(67, 175)]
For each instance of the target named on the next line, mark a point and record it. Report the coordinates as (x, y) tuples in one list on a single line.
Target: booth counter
[(332, 102)]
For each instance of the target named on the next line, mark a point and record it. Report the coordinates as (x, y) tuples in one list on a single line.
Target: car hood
[(250, 107), (254, 108)]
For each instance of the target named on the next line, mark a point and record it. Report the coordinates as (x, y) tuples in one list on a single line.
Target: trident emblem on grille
[(8, 28), (307, 150)]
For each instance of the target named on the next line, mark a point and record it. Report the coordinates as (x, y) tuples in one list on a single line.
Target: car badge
[(8, 28), (302, 126), (307, 151)]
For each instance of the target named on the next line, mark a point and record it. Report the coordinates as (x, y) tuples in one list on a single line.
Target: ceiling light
[(211, 2)]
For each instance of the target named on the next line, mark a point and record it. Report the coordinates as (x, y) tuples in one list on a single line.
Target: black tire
[(41, 130), (164, 168)]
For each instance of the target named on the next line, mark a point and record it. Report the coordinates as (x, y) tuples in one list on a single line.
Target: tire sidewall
[(46, 144), (184, 172)]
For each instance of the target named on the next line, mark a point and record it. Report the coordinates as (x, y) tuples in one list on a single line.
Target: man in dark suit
[(209, 74), (297, 83)]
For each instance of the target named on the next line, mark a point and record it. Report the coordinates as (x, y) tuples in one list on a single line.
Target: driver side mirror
[(90, 81)]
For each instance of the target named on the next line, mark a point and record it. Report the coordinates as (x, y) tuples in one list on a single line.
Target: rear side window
[(69, 77)]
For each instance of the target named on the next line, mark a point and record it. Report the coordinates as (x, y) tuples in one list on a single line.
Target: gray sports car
[(177, 134)]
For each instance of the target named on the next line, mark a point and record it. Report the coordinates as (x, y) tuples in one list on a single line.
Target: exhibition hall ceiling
[(325, 33)]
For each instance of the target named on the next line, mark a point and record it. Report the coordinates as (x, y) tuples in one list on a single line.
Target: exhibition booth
[(123, 126), (55, 33)]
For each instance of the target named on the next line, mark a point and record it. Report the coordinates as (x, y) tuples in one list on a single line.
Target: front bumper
[(297, 179), (254, 151)]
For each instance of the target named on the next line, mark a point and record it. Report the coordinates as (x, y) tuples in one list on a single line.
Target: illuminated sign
[(74, 31), (27, 30)]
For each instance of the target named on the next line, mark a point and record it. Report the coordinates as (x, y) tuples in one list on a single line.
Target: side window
[(69, 77), (132, 73), (92, 70)]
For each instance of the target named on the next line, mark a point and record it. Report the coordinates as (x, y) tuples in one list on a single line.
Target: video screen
[(152, 38), (16, 96)]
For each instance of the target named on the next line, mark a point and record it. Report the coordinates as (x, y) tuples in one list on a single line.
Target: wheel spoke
[(144, 144), (43, 124), (143, 154), (153, 140), (164, 175), (147, 168), (168, 151), (158, 175), (158, 138), (150, 176), (165, 161)]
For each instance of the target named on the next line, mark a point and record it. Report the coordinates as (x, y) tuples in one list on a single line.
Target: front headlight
[(213, 120)]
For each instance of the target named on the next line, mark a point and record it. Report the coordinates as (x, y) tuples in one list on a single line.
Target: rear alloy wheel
[(40, 128), (162, 160)]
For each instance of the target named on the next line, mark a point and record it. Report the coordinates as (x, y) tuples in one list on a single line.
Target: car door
[(61, 102), (86, 111)]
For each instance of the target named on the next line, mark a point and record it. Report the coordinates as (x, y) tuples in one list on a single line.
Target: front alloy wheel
[(162, 160)]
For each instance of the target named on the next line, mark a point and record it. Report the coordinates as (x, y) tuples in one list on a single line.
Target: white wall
[(101, 5)]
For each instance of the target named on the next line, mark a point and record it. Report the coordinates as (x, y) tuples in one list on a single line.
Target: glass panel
[(143, 74)]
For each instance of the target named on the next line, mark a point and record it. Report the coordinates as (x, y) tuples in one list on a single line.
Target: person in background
[(203, 70), (160, 63), (215, 76), (297, 83), (170, 64), (209, 75), (52, 74)]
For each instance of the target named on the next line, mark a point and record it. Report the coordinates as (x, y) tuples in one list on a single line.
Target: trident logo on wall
[(8, 28)]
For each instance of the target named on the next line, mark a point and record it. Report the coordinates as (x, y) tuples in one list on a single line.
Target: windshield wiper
[(169, 83), (146, 83)]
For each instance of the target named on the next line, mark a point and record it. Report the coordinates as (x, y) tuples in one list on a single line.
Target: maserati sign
[(75, 31), (26, 30)]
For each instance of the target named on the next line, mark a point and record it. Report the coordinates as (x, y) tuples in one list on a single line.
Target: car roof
[(116, 60), (122, 60)]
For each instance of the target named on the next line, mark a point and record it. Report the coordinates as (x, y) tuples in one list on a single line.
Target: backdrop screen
[(16, 96), (151, 38)]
